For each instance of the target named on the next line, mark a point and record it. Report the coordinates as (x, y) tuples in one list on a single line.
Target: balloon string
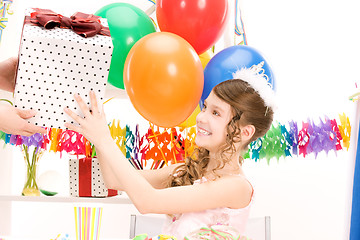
[(108, 100), (239, 31), (186, 137), (172, 145), (8, 101), (352, 97)]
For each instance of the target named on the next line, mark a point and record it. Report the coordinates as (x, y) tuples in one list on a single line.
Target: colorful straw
[(88, 222)]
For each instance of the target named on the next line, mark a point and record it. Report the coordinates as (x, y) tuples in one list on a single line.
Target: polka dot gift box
[(59, 57), (86, 180)]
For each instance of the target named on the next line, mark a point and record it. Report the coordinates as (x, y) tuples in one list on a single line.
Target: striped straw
[(87, 222)]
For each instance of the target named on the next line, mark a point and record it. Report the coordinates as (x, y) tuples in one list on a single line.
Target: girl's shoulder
[(243, 190), (235, 182), (237, 187), (240, 182), (235, 178)]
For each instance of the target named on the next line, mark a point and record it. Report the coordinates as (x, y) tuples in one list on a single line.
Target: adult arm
[(7, 74), (13, 121)]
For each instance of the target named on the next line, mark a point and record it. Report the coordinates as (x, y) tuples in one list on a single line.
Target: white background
[(312, 46)]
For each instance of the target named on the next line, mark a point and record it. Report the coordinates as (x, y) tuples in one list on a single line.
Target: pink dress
[(182, 224)]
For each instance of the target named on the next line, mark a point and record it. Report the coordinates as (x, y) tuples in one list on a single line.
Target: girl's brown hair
[(248, 108)]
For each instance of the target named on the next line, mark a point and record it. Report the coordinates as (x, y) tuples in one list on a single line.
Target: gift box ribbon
[(85, 182), (85, 25), (85, 178)]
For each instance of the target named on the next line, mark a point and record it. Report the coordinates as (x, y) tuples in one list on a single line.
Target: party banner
[(164, 146)]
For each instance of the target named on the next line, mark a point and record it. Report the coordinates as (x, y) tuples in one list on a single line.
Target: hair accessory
[(258, 80)]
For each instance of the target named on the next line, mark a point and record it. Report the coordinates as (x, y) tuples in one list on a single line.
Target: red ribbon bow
[(86, 25)]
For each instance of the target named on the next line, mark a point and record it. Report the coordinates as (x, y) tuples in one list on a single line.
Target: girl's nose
[(200, 117)]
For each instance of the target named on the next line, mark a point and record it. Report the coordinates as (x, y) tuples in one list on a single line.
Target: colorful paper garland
[(288, 140), (163, 146)]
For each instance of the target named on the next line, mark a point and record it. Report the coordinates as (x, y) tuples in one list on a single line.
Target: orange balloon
[(163, 78), (191, 121)]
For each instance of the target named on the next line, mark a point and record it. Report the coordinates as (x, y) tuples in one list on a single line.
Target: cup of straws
[(87, 222)]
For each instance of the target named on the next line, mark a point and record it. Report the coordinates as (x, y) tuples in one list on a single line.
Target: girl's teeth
[(204, 132)]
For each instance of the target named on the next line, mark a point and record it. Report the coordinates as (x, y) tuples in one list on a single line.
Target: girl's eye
[(215, 113), (203, 109)]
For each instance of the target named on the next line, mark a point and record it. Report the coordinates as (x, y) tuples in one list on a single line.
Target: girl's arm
[(157, 178), (232, 192)]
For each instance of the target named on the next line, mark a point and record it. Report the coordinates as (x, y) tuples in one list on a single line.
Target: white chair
[(256, 228), (149, 224)]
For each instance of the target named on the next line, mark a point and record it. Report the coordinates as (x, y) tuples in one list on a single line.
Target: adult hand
[(7, 74), (13, 121), (93, 126)]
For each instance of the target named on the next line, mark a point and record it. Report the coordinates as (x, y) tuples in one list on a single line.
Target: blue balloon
[(226, 62)]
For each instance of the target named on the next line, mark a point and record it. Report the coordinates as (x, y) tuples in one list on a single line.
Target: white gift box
[(54, 64), (86, 180)]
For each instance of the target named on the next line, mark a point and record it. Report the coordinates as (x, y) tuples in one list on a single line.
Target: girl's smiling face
[(212, 122)]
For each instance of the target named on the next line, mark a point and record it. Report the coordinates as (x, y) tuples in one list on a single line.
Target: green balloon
[(127, 25), (102, 11)]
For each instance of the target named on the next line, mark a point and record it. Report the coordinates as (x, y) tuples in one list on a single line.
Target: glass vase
[(31, 160)]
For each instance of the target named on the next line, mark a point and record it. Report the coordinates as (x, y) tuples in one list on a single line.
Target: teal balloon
[(127, 24)]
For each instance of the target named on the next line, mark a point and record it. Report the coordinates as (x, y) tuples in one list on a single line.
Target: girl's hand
[(93, 126)]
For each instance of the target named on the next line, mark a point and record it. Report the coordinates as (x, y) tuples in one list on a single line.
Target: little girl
[(210, 188)]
